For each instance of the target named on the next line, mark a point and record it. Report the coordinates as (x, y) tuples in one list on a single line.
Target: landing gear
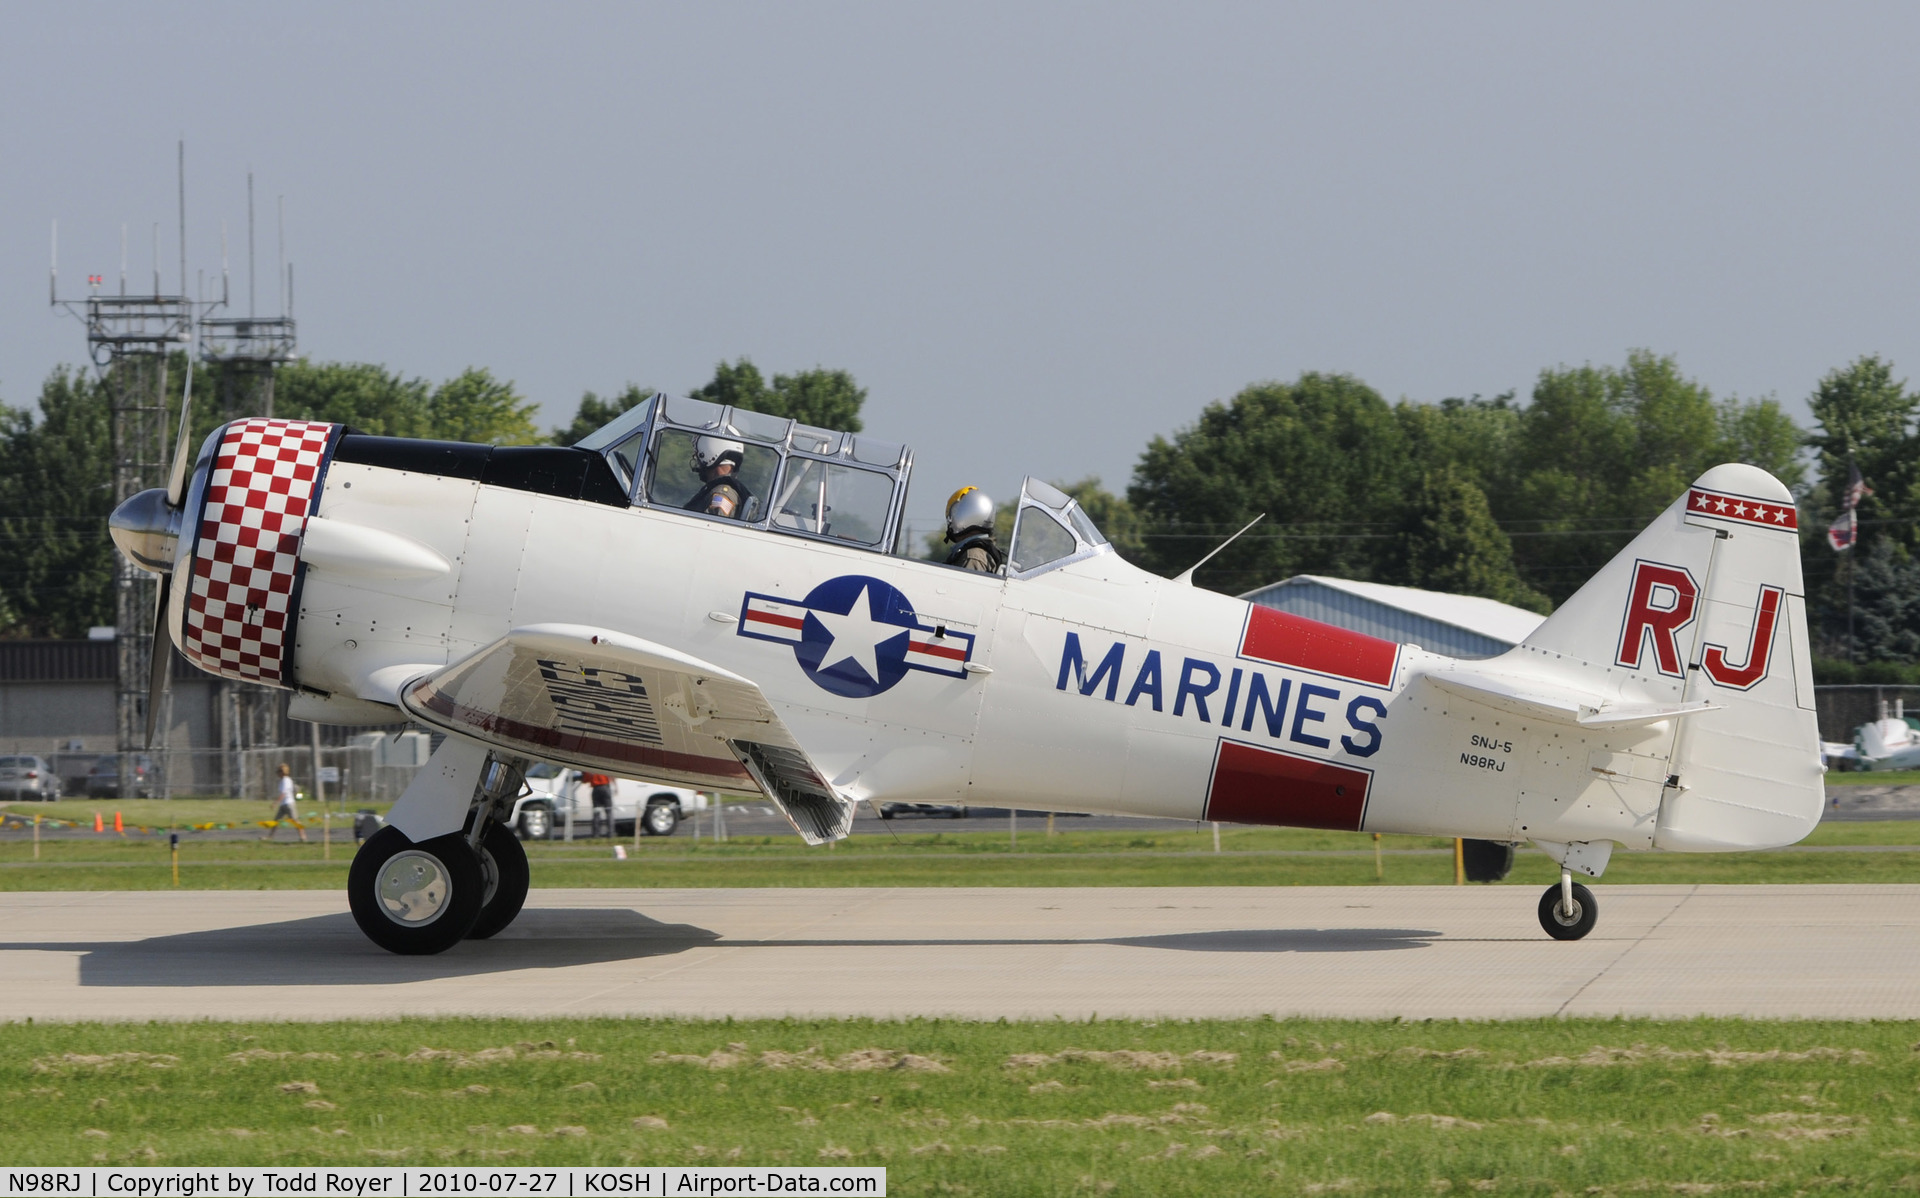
[(415, 899), (503, 866), (1568, 911)]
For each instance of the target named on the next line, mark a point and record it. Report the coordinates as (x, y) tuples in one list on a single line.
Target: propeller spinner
[(146, 527)]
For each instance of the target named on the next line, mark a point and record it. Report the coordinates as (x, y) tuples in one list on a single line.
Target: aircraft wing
[(604, 701)]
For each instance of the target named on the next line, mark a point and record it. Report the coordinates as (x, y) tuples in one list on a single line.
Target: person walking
[(602, 803), (283, 805)]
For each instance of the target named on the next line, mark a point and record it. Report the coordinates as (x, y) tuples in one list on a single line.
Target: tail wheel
[(415, 899), (503, 865), (1564, 924)]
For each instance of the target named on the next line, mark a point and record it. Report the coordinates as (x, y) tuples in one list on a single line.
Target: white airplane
[(788, 648)]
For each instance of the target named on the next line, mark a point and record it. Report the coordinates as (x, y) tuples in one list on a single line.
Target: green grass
[(1201, 1108), (1176, 856), (1874, 778), (170, 813)]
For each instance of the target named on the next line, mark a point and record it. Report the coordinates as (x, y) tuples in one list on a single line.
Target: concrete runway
[(1473, 952)]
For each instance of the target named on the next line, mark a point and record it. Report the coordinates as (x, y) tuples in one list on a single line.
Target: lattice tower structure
[(129, 338)]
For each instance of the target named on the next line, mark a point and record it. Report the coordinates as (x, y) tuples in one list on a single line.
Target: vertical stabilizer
[(1708, 605)]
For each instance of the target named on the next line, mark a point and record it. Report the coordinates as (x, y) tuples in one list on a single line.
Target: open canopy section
[(1050, 530)]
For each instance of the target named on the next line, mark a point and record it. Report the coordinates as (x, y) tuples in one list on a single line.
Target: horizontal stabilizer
[(1551, 700), (607, 702)]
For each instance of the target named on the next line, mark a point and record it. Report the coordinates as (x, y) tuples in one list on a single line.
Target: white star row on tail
[(1752, 511)]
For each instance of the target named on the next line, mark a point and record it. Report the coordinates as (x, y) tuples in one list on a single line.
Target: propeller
[(146, 527), (160, 664)]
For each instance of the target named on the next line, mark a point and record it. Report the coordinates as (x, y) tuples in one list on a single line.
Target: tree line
[(1516, 500)]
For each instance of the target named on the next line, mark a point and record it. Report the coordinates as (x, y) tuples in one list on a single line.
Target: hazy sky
[(1039, 234)]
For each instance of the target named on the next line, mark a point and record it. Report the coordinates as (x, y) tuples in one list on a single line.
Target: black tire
[(536, 822), (885, 814), (1568, 925), (435, 889), (1486, 860), (660, 819), (503, 866)]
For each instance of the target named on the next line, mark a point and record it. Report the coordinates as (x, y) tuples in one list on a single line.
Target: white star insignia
[(855, 636), (1720, 505), (1739, 509), (1700, 499), (1780, 517)]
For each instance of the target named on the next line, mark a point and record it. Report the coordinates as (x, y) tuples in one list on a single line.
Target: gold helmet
[(969, 508)]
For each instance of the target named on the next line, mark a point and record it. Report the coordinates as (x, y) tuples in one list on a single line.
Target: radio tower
[(129, 338)]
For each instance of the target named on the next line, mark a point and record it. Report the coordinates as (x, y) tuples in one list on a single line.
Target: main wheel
[(536, 821), (661, 819), (415, 899), (1562, 924), (503, 866)]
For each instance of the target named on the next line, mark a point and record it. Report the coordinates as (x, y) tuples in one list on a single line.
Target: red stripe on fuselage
[(1252, 785), (933, 650), (767, 617), (1289, 640)]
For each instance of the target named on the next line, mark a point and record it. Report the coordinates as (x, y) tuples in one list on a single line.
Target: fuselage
[(343, 566), (1095, 686)]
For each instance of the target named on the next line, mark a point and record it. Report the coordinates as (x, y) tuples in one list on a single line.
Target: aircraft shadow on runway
[(328, 950)]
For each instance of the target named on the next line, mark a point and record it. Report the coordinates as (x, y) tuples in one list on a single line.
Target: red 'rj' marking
[(933, 650), (1759, 648), (1658, 622), (1252, 785), (767, 617), (1289, 640)]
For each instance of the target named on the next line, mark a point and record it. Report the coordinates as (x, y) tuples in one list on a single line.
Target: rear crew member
[(970, 529)]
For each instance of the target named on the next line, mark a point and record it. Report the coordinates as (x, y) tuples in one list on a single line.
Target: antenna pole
[(53, 271), (223, 264), (1187, 576), (280, 284)]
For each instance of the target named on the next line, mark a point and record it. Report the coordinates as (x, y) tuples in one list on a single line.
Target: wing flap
[(605, 701)]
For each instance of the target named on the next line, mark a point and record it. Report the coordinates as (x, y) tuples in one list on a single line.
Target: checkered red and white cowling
[(259, 495)]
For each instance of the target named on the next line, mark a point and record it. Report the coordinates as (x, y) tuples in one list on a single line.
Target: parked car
[(103, 780), (925, 810), (553, 792), (28, 777)]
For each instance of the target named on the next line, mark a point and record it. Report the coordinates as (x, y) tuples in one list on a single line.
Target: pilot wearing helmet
[(722, 493), (970, 529)]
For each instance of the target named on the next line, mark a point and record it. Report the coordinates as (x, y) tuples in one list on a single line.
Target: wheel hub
[(413, 888)]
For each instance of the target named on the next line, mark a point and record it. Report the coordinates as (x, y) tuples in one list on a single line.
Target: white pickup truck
[(552, 793)]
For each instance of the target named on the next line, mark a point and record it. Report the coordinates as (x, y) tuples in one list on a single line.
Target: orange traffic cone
[(97, 825), (116, 824)]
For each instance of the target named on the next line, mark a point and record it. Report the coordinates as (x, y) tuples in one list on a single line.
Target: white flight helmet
[(709, 452), (969, 508)]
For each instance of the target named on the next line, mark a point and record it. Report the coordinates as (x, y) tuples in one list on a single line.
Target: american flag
[(1845, 529)]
